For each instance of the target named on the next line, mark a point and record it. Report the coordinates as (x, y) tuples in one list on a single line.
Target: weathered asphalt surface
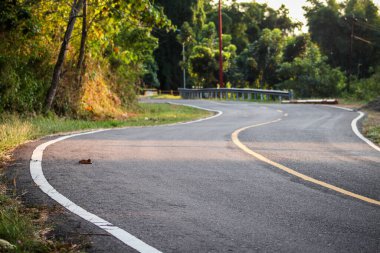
[(188, 188)]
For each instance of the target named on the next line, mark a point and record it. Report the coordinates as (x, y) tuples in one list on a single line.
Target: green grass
[(148, 115), (374, 134), (15, 130), (18, 228), (18, 224), (165, 96)]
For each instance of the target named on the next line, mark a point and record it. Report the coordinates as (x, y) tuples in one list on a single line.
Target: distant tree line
[(91, 57), (262, 49)]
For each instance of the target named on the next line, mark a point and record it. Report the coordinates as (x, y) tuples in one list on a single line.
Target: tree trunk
[(82, 50), (62, 55)]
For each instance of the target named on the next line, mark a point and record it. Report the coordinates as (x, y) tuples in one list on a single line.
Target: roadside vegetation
[(371, 127), (24, 230), (166, 96)]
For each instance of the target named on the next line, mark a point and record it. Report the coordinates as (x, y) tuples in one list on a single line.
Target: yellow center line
[(235, 139)]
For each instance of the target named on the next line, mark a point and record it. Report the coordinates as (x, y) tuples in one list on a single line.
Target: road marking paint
[(39, 178), (235, 139), (218, 113), (354, 126), (218, 103), (280, 111), (339, 107), (286, 115)]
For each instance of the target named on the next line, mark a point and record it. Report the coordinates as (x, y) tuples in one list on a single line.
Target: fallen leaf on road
[(88, 161)]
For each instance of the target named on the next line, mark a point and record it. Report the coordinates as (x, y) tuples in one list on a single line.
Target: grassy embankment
[(26, 228)]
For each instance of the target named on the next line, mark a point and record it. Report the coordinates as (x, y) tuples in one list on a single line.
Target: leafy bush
[(23, 82), (311, 76), (367, 89)]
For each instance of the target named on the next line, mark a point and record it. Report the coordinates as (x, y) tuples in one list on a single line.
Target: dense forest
[(89, 58), (263, 47)]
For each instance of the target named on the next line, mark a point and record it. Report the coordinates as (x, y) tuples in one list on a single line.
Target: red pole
[(220, 46)]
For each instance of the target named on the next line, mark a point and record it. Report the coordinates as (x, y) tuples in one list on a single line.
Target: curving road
[(189, 188)]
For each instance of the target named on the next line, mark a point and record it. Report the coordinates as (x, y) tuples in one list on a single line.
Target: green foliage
[(199, 16), (150, 78), (331, 26), (366, 89), (14, 16), (23, 81), (242, 25), (18, 229), (295, 47), (251, 51), (186, 34), (203, 58), (264, 55), (119, 46), (310, 75), (246, 21), (258, 63), (131, 57), (203, 65), (268, 53)]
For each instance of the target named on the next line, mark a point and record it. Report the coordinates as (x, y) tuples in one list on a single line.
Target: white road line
[(339, 107), (39, 178), (354, 125), (218, 113)]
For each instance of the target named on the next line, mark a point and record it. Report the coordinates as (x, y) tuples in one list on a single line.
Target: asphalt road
[(189, 188)]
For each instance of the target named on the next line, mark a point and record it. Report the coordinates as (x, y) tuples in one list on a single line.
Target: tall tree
[(62, 54), (82, 49)]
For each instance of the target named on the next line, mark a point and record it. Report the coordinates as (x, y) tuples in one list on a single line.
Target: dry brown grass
[(13, 132)]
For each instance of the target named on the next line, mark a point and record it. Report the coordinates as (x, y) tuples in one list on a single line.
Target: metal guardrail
[(235, 94)]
